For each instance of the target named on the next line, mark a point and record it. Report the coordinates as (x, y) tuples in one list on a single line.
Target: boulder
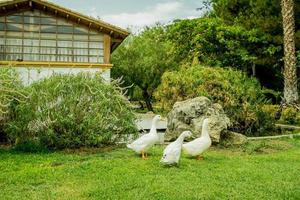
[(233, 138), (189, 115)]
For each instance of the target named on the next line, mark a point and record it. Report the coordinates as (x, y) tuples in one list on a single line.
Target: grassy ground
[(259, 170)]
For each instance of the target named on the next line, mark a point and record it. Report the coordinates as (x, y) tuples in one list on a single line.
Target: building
[(40, 38)]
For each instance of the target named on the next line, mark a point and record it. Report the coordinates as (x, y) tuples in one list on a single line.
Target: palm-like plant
[(291, 96)]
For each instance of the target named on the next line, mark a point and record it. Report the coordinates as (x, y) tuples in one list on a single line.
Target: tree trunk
[(147, 99), (290, 75), (253, 69)]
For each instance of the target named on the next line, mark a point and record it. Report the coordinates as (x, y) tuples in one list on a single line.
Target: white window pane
[(2, 26), (14, 19), (64, 44), (96, 45), (64, 37), (81, 59), (31, 27), (31, 35), (48, 50), (80, 51), (10, 41), (48, 43), (81, 37), (98, 37), (81, 44), (2, 41), (14, 49), (96, 52), (48, 36), (13, 34)]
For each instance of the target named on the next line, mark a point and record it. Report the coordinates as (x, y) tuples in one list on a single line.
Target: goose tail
[(129, 146)]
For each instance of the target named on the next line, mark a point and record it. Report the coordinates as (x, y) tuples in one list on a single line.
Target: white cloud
[(161, 12)]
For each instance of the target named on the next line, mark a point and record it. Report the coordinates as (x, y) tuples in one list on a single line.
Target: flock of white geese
[(172, 152)]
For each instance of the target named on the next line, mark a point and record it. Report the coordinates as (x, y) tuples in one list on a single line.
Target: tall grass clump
[(70, 111), (240, 96), (11, 92)]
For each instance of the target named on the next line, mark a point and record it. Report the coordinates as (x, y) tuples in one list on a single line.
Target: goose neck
[(180, 138), (153, 128)]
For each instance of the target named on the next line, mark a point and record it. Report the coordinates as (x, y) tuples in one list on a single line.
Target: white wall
[(29, 75)]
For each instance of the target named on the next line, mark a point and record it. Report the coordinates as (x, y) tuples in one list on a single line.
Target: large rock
[(233, 138), (189, 115)]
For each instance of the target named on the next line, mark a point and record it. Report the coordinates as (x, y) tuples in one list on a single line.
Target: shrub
[(11, 91), (68, 111), (290, 115), (272, 110), (240, 96)]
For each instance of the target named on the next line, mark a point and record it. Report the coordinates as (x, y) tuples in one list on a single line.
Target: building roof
[(11, 6)]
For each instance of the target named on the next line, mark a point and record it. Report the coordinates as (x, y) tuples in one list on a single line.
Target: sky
[(135, 14)]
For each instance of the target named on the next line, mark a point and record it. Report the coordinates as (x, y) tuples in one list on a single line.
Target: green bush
[(11, 91), (290, 115), (240, 96), (271, 110), (69, 111)]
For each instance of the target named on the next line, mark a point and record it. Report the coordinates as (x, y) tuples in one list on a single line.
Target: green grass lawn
[(259, 170)]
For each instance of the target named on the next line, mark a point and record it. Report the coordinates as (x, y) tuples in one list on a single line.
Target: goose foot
[(144, 155), (199, 157)]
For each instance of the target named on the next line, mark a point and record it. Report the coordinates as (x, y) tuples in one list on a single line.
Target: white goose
[(199, 145), (145, 142), (172, 152)]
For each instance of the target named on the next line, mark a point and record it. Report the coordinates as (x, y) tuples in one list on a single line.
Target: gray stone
[(189, 115), (234, 138)]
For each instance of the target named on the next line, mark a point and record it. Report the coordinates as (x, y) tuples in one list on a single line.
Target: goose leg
[(143, 155), (199, 157)]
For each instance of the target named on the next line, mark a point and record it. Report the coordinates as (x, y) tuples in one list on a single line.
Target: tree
[(142, 59), (290, 74), (264, 15), (216, 43)]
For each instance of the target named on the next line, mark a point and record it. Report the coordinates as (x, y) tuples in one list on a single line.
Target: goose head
[(186, 133), (156, 119), (206, 122), (205, 131)]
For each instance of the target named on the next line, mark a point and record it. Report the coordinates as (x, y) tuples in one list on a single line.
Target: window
[(37, 36), (2, 26), (96, 52), (48, 29), (31, 27), (32, 20), (48, 43), (2, 41), (80, 51), (65, 44), (97, 45), (65, 29), (48, 21), (14, 27), (79, 30), (80, 44), (14, 19)]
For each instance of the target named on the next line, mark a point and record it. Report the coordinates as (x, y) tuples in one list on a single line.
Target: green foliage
[(11, 91), (272, 110), (30, 146), (141, 60), (68, 111), (240, 96), (290, 115), (217, 43), (264, 15)]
